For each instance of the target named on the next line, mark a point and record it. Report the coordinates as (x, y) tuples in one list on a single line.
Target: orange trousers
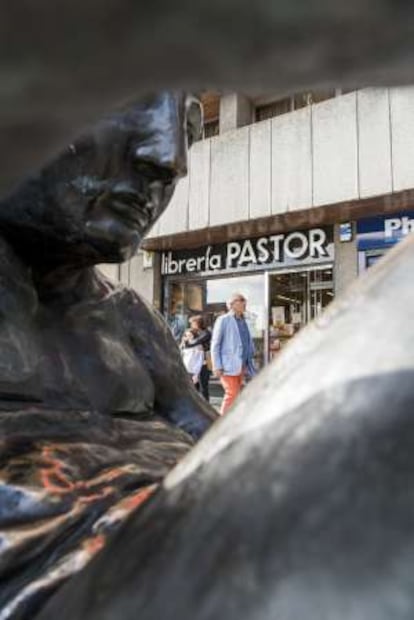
[(232, 386)]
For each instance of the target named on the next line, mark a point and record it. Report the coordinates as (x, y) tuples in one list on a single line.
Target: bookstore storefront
[(287, 279)]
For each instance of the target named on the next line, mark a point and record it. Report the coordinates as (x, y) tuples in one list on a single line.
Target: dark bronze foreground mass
[(299, 504), (95, 405)]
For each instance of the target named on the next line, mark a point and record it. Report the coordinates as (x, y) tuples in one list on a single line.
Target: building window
[(211, 128), (210, 101), (288, 104), (275, 108), (301, 100)]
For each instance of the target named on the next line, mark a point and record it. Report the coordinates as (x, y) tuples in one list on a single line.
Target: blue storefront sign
[(375, 235)]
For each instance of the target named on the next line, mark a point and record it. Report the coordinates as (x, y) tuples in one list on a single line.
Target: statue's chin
[(115, 241)]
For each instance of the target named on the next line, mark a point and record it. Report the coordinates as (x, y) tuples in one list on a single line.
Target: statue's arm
[(175, 396)]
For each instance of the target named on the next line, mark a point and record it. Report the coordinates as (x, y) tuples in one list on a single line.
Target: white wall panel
[(229, 177), (350, 145), (199, 172), (374, 142), (142, 280), (260, 170), (291, 161), (110, 270), (124, 273), (335, 162), (402, 132), (175, 217)]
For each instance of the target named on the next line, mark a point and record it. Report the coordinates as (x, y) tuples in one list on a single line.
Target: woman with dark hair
[(201, 336)]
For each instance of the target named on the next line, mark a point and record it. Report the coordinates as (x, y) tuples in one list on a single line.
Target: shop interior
[(278, 304), (295, 298)]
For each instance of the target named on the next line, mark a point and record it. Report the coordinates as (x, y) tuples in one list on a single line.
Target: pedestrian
[(192, 356), (201, 338), (232, 349)]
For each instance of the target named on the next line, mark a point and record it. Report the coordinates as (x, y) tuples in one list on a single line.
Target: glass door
[(320, 282), (294, 299)]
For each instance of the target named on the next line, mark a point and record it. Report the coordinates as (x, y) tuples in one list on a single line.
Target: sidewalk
[(216, 393), (215, 401)]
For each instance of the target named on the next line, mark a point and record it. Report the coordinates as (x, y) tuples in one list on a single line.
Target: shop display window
[(295, 298), (208, 297), (278, 304)]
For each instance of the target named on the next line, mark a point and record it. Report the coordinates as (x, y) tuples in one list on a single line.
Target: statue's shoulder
[(128, 300), (19, 351), (16, 285)]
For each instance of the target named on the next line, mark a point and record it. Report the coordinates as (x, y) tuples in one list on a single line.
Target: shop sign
[(346, 233), (383, 232), (280, 250)]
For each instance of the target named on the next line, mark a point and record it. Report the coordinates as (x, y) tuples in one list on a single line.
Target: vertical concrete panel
[(228, 112), (374, 142), (335, 161), (175, 217), (140, 279), (235, 111), (199, 184), (346, 262), (124, 273), (229, 177), (402, 132), (291, 161), (260, 170)]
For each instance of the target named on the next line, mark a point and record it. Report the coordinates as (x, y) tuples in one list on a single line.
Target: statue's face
[(108, 188)]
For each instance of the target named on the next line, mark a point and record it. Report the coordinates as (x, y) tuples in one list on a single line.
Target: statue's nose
[(164, 141)]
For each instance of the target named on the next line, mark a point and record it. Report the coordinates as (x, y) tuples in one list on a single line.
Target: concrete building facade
[(329, 172)]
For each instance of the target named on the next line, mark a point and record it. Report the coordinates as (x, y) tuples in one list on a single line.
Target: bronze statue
[(95, 405), (298, 504)]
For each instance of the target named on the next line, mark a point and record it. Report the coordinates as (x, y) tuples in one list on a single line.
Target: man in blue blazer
[(232, 349)]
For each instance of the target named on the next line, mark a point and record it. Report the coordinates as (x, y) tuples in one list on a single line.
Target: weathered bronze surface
[(299, 505), (95, 405)]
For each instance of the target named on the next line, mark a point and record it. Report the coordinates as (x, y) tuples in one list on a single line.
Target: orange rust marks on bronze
[(54, 472), (88, 499), (133, 501), (94, 544), (55, 480)]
